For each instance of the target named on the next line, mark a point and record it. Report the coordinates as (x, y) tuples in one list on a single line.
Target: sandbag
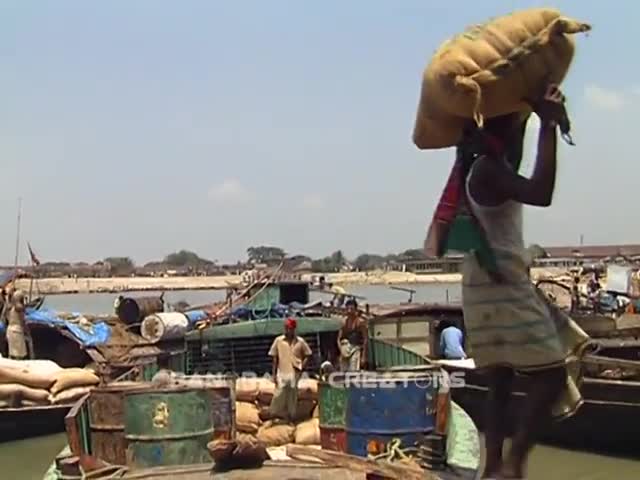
[(266, 389), (16, 393), (276, 435), (70, 395), (43, 367), (247, 418), (73, 377), (308, 433), (32, 403), (25, 376), (490, 69), (245, 437), (316, 412), (247, 389), (307, 389)]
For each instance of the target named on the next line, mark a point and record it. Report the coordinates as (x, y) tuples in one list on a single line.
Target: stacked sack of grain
[(72, 383), (25, 383), (247, 414), (255, 395), (307, 396), (491, 70)]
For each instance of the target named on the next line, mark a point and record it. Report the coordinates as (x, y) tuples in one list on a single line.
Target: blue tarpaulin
[(96, 334), (195, 316)]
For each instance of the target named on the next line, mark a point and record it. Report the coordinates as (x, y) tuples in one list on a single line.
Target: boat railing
[(77, 427)]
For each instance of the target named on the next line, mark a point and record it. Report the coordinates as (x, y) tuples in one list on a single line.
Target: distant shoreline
[(59, 286)]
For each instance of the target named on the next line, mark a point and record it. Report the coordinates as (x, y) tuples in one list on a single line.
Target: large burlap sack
[(15, 394), (308, 389), (266, 389), (304, 410), (247, 389), (43, 367), (73, 377), (490, 69), (245, 437), (316, 412), (70, 395), (276, 434), (247, 418), (25, 376), (308, 433)]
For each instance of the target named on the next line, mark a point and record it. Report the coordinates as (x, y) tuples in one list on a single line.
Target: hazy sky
[(142, 127)]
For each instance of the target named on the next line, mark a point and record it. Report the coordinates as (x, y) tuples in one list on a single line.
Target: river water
[(29, 459)]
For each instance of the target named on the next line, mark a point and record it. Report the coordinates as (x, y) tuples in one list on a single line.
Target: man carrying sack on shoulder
[(511, 327), (290, 355)]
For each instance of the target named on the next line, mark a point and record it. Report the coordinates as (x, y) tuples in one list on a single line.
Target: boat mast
[(15, 263)]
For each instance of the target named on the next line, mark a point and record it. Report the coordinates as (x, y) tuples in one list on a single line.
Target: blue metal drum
[(386, 407)]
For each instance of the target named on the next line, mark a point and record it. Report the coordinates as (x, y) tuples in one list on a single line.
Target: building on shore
[(566, 257), (560, 257)]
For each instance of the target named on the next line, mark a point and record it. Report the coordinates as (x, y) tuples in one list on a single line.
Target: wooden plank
[(269, 471), (393, 471), (74, 436)]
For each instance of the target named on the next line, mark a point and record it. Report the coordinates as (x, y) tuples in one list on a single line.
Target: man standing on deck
[(17, 328), (290, 355), (352, 340)]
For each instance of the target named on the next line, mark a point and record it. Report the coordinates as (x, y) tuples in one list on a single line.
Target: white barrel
[(164, 326)]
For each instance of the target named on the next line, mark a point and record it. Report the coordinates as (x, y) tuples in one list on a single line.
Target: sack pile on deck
[(490, 70), (25, 383), (254, 395)]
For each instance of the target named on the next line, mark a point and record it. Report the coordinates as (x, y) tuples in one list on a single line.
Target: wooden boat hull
[(607, 422), (20, 423)]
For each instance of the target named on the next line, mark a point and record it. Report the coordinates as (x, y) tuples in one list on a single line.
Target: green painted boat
[(168, 427)]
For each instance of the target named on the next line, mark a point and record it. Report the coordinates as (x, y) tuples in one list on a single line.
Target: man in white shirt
[(290, 355)]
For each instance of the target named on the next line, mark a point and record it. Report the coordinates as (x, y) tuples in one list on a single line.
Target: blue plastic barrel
[(387, 407)]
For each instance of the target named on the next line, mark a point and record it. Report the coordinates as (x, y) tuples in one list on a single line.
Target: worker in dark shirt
[(352, 339)]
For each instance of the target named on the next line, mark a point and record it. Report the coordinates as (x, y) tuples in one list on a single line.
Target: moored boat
[(158, 431), (608, 420)]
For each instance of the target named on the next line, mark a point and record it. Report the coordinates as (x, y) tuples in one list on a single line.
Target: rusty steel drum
[(133, 310), (106, 420), (170, 426)]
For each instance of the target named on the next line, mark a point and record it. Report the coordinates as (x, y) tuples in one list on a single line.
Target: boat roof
[(265, 328), (402, 309)]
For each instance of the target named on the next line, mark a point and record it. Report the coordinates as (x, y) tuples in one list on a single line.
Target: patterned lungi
[(513, 324)]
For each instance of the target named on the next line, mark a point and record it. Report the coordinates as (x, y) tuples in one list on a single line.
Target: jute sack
[(247, 389), (307, 389), (276, 435), (70, 395), (245, 437), (25, 376), (308, 433), (266, 389), (12, 392), (247, 418), (43, 367), (490, 70), (73, 377)]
